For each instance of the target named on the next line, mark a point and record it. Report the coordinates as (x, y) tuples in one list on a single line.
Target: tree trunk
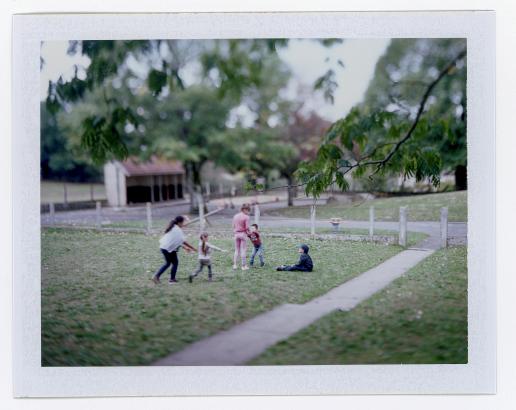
[(461, 178), (295, 190), (190, 186), (194, 183), (290, 191)]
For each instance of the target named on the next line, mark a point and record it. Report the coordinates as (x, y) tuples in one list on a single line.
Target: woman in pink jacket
[(241, 230)]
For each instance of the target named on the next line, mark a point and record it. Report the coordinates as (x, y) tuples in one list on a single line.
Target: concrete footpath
[(249, 339)]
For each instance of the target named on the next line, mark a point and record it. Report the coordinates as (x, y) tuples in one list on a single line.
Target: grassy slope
[(420, 318), (420, 208), (52, 191), (100, 308)]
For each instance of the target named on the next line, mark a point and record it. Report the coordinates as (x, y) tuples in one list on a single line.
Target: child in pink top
[(241, 230)]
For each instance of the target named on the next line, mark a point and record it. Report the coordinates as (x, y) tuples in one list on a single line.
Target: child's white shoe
[(235, 267), (245, 267)]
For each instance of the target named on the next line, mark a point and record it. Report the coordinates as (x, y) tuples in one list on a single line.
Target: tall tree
[(403, 73), (233, 66), (400, 132), (59, 157), (289, 134), (293, 135), (304, 133), (183, 126), (189, 124)]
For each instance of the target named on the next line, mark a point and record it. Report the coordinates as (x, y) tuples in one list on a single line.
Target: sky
[(307, 60)]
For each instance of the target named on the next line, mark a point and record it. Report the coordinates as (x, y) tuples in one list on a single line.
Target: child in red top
[(254, 236)]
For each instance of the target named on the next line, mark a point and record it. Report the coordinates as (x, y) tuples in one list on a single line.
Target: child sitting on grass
[(205, 249), (254, 236), (304, 264)]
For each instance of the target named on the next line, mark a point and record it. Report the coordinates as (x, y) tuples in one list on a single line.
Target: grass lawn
[(139, 224), (100, 308), (420, 208), (52, 191), (412, 237), (421, 318)]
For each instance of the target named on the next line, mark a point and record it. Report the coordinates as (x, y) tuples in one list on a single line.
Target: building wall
[(123, 188), (116, 193), (157, 184)]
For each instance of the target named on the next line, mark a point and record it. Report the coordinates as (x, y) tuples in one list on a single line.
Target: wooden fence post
[(200, 204), (149, 218), (98, 207), (371, 222), (160, 188), (65, 194), (312, 220), (444, 227), (257, 214), (52, 210), (402, 238), (208, 190)]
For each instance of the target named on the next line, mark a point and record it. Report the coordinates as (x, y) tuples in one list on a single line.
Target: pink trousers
[(240, 247)]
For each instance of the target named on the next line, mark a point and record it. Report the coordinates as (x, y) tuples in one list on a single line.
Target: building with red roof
[(134, 181)]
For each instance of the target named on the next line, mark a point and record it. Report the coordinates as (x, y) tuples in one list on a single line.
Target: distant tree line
[(60, 160)]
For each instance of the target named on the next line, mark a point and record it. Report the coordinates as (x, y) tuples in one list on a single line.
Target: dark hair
[(201, 237), (177, 220), (245, 206), (255, 225), (304, 247)]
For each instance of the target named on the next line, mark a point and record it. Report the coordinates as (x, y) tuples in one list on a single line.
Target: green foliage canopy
[(233, 66), (408, 123)]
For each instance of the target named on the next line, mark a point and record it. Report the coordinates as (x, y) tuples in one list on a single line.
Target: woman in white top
[(169, 244), (205, 249)]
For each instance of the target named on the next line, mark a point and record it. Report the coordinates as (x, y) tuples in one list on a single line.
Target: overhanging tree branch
[(381, 163)]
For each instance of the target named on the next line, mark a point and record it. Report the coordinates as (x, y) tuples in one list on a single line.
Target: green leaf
[(327, 84), (328, 42), (156, 81)]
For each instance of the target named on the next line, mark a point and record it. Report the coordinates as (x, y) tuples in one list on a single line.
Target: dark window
[(171, 191), (138, 194), (164, 192)]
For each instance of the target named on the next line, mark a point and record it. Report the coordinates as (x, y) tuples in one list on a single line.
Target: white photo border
[(33, 380)]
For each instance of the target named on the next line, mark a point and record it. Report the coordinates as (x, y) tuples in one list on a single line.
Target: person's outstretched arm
[(215, 247), (189, 247)]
